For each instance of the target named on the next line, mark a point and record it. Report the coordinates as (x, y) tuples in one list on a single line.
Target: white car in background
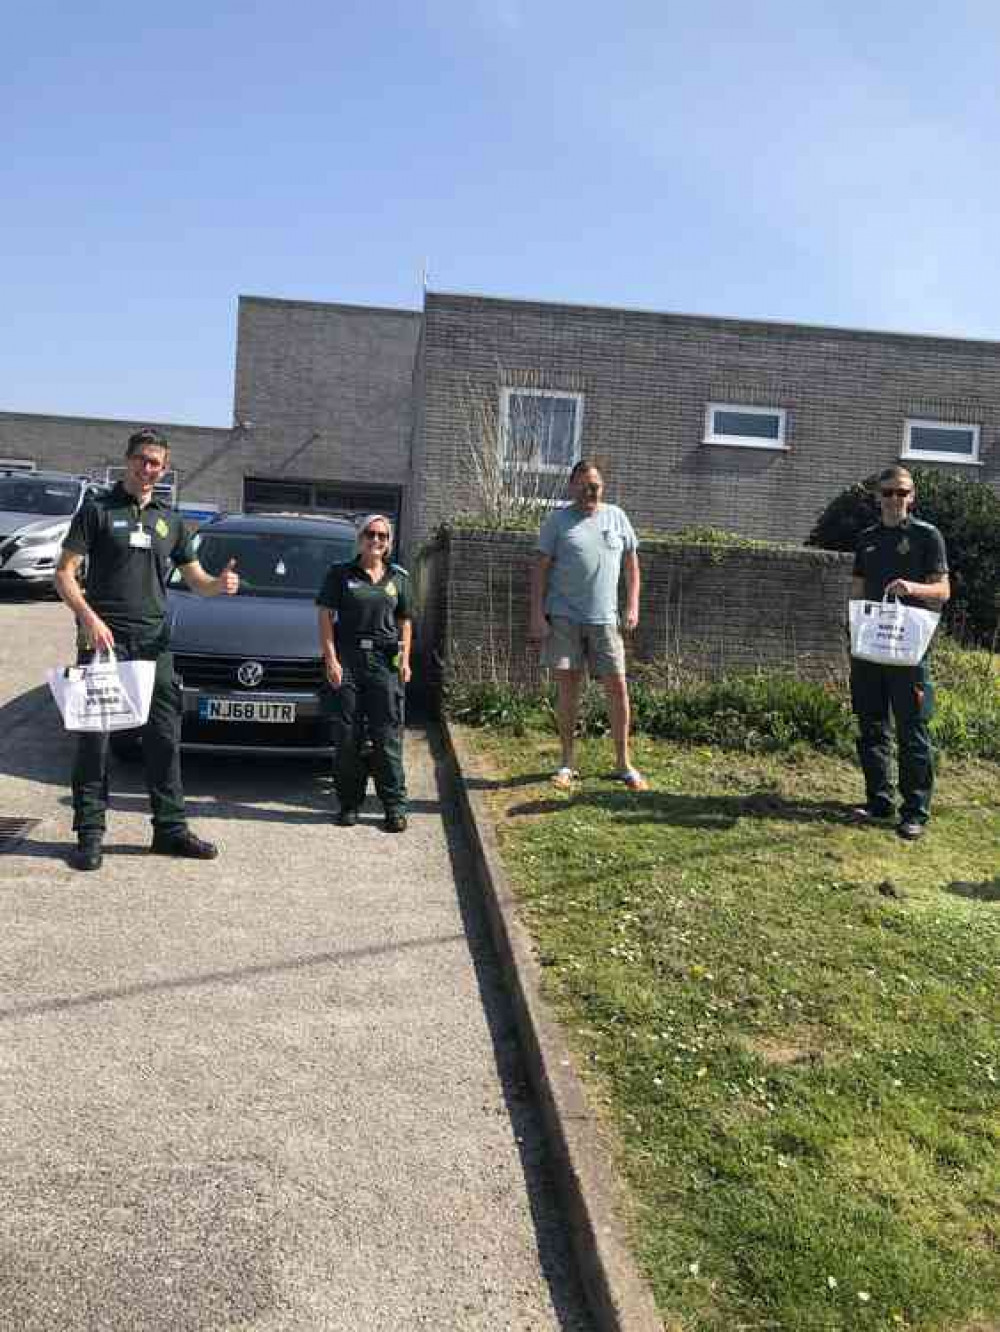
[(36, 509)]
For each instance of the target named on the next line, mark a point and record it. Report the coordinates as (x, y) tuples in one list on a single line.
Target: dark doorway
[(305, 495)]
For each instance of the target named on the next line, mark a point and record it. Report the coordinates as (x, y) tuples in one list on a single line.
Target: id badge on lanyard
[(139, 539)]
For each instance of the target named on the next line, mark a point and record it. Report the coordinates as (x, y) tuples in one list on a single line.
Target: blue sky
[(818, 162)]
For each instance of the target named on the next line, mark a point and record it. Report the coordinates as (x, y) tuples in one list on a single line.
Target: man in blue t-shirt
[(574, 611)]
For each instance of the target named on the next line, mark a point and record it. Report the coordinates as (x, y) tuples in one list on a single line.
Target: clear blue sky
[(820, 162)]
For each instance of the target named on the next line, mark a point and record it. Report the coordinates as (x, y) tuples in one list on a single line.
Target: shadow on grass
[(711, 812), (987, 891), (507, 783)]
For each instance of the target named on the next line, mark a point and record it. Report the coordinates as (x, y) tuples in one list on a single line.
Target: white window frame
[(25, 465), (746, 441), (513, 390), (929, 455)]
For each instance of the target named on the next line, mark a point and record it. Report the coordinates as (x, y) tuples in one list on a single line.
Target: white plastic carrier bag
[(105, 695), (890, 632)]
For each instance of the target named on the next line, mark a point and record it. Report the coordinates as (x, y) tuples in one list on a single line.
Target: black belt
[(376, 645)]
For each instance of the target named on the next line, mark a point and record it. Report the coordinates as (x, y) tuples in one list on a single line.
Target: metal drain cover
[(13, 831)]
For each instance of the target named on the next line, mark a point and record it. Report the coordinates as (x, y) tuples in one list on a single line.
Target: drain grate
[(14, 831)]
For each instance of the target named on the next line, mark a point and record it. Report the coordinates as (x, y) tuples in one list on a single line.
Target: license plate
[(245, 710)]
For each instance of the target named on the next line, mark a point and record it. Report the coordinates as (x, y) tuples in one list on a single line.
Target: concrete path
[(276, 1091)]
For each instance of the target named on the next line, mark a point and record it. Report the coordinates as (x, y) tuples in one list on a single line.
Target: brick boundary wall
[(709, 609)]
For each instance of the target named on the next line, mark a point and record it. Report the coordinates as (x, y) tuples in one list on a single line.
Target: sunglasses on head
[(371, 535), (899, 494)]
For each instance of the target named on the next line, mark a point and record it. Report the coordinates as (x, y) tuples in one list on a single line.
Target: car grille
[(308, 734), (299, 674)]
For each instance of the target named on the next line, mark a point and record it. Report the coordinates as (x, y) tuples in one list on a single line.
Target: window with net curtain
[(541, 429)]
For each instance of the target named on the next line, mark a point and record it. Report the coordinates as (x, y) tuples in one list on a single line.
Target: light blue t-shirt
[(586, 552)]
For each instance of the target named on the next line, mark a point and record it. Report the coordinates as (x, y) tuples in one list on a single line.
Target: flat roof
[(583, 307), (342, 306)]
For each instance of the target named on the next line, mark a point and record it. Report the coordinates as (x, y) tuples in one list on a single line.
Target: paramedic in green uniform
[(906, 557), (366, 629), (130, 541)]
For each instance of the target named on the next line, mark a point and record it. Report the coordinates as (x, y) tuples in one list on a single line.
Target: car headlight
[(37, 539)]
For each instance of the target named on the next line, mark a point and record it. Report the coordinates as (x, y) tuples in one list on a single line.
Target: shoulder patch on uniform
[(162, 528), (390, 589)]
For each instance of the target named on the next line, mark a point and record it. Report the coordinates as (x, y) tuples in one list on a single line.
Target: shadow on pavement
[(279, 789), (550, 1225), (200, 980)]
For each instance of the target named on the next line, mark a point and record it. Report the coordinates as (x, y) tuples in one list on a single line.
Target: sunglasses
[(898, 494), (369, 535)]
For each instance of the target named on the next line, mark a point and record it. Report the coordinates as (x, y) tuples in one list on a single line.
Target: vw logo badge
[(250, 674)]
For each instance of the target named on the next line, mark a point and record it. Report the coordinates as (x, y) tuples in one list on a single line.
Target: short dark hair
[(894, 473), (146, 436), (585, 465)]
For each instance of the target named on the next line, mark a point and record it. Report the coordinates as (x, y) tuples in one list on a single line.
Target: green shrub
[(967, 720), (968, 516), (503, 706), (754, 714)]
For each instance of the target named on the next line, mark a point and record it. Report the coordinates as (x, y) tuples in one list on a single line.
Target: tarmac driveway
[(276, 1091)]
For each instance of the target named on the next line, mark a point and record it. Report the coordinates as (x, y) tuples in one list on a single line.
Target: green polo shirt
[(914, 550), (366, 608), (130, 551)]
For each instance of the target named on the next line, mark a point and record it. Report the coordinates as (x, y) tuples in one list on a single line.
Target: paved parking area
[(279, 1090)]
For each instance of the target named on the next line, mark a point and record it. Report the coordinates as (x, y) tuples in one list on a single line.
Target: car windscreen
[(271, 564), (22, 494)]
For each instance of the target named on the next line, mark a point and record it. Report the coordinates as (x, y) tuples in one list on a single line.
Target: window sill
[(746, 444), (940, 458)]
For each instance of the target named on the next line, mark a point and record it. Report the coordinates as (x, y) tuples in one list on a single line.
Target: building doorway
[(262, 494)]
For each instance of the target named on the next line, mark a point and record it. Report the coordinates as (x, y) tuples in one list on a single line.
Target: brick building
[(742, 424)]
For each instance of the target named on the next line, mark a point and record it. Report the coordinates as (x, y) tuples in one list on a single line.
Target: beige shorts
[(569, 646)]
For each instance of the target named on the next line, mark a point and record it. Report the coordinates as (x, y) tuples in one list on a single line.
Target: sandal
[(564, 778), (633, 779)]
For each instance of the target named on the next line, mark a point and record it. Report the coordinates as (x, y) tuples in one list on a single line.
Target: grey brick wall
[(717, 611), (328, 389), (647, 379), (207, 459)]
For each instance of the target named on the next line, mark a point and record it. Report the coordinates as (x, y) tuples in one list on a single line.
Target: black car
[(250, 665)]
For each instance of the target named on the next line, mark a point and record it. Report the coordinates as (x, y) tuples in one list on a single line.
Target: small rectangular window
[(540, 428), (18, 465), (746, 427), (941, 441)]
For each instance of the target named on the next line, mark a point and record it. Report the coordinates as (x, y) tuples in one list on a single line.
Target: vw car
[(250, 666), (36, 509)]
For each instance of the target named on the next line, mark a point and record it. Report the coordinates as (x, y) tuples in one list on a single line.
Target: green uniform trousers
[(907, 694), (370, 705), (161, 754)]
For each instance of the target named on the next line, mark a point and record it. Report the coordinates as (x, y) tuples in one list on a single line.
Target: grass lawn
[(791, 1021)]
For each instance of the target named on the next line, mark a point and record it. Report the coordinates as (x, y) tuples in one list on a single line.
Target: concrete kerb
[(619, 1296)]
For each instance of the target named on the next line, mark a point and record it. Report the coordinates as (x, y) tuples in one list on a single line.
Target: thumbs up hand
[(228, 582)]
